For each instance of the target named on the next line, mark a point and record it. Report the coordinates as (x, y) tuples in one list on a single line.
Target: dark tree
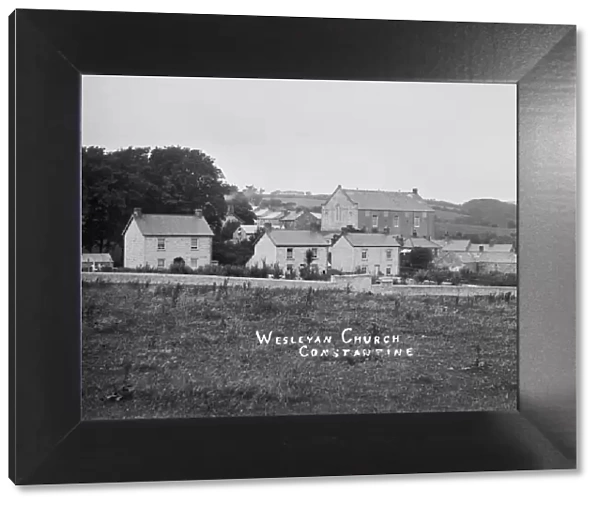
[(229, 229), (242, 208), (171, 180), (420, 258)]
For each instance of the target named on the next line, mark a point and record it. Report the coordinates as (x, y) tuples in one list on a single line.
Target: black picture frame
[(49, 52)]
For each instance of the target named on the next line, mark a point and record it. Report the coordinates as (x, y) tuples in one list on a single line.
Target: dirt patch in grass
[(174, 351)]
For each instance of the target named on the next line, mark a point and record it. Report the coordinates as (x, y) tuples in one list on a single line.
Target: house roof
[(499, 257), (317, 215), (420, 242), (372, 240), (454, 245), (297, 238), (502, 248), (261, 212), (96, 257), (293, 215), (455, 258), (272, 215), (378, 200), (172, 224), (249, 229)]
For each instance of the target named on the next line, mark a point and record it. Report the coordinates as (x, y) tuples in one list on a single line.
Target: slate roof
[(372, 240), (293, 215), (502, 248), (297, 238), (378, 200), (249, 229), (272, 215), (172, 224), (497, 258), (96, 257), (454, 245), (261, 212), (455, 258), (420, 242)]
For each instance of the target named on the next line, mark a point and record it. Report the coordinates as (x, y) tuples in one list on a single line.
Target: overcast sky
[(453, 142)]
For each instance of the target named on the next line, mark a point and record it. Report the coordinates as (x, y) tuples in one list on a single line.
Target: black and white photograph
[(292, 247)]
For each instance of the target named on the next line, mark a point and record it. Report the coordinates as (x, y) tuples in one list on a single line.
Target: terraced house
[(287, 248), (156, 240), (397, 213), (368, 253)]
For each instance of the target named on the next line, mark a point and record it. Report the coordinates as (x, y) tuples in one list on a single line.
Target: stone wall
[(352, 282), (444, 290), (355, 283)]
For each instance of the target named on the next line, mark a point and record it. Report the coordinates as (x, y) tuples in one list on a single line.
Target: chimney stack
[(268, 227), (198, 213), (481, 248), (416, 191), (137, 212)]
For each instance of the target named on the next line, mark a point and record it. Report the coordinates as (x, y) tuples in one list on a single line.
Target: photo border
[(49, 53)]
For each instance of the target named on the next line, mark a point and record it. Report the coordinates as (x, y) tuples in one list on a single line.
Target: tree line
[(167, 180)]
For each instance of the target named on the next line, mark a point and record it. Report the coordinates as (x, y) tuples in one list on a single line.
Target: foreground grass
[(193, 352)]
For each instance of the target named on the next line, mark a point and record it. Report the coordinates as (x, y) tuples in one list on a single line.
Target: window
[(363, 269), (194, 262), (338, 213), (160, 244), (417, 222), (364, 254), (290, 253), (388, 254), (290, 267), (314, 253), (375, 221), (396, 221), (376, 270), (424, 214), (385, 214), (388, 270), (161, 263), (195, 242)]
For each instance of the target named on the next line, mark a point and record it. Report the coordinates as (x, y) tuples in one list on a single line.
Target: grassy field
[(452, 228), (173, 351)]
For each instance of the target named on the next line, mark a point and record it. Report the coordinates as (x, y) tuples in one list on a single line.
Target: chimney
[(481, 248), (137, 212), (268, 227), (416, 191), (198, 213)]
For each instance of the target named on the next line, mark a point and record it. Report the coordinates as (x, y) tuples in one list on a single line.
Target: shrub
[(420, 257), (178, 267), (277, 271), (420, 276), (438, 275)]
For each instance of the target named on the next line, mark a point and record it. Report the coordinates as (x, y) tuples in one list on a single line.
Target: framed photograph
[(260, 247)]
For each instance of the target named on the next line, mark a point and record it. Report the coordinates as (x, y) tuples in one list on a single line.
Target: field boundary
[(351, 282), (445, 290)]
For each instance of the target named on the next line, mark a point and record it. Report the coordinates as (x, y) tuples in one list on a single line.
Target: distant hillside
[(277, 199), (478, 212)]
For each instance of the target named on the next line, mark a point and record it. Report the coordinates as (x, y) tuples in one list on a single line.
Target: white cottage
[(156, 240), (369, 253), (288, 248)]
